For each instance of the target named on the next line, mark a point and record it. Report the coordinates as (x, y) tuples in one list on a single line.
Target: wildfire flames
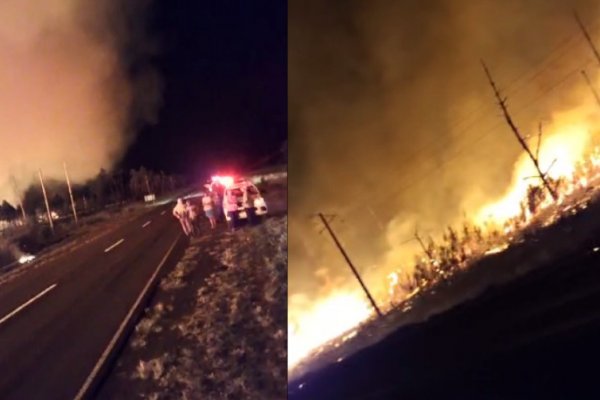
[(559, 155), (327, 320), (571, 162)]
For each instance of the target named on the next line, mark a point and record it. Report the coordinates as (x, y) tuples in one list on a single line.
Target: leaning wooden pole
[(46, 200), (350, 264), (13, 181), (513, 127), (70, 193), (591, 86), (588, 39)]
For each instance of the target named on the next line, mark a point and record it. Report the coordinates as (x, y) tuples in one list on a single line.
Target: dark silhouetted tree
[(100, 188), (58, 203), (7, 211), (33, 199)]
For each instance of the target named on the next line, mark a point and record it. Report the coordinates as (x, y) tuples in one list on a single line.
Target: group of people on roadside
[(187, 213)]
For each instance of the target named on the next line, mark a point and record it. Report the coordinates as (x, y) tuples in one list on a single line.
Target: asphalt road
[(57, 321), (535, 337)]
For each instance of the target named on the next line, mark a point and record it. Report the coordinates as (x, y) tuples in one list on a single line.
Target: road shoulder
[(216, 327)]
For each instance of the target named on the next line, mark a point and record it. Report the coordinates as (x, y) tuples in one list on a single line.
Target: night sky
[(224, 74)]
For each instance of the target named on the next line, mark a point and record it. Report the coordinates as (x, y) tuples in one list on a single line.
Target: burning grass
[(500, 227), (459, 249)]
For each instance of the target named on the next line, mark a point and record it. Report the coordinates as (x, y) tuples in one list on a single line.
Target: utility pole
[(23, 212), (71, 193), (46, 200), (14, 185), (354, 271), (502, 104), (591, 86), (147, 183), (587, 36)]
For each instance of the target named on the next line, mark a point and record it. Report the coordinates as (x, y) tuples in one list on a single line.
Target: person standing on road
[(193, 216), (231, 207), (218, 203), (180, 212), (248, 201), (209, 209)]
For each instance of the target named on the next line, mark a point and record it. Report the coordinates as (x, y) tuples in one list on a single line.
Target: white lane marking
[(88, 382), (113, 246), (22, 306), (146, 224), (163, 213)]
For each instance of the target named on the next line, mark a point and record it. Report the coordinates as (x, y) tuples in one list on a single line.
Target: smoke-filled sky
[(67, 93), (176, 86), (390, 112)]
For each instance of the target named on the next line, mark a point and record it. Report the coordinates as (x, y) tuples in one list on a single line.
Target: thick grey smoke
[(390, 110), (75, 84)]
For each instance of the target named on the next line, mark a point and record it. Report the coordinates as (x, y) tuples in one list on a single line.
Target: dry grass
[(232, 344)]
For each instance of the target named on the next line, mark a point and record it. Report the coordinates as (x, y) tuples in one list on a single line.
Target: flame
[(559, 155), (336, 314), (393, 278), (328, 319), (564, 155), (497, 249)]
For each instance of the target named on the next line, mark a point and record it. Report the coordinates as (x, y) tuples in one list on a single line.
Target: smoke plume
[(76, 82), (393, 126)]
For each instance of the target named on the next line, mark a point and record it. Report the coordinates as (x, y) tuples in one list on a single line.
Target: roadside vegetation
[(106, 196), (217, 326)]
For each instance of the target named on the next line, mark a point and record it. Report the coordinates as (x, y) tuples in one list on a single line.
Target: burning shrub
[(535, 196), (457, 251), (407, 283)]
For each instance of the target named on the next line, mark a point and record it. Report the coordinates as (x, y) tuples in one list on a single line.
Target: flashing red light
[(226, 181)]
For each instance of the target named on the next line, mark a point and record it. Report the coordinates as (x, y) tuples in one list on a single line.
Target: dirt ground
[(216, 326)]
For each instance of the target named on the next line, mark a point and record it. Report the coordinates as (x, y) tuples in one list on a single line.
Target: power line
[(519, 82), (586, 34), (562, 48), (557, 84), (561, 51), (509, 120), (529, 103), (510, 89), (558, 52), (478, 139)]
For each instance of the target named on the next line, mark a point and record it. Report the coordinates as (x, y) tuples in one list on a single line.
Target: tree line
[(105, 189)]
